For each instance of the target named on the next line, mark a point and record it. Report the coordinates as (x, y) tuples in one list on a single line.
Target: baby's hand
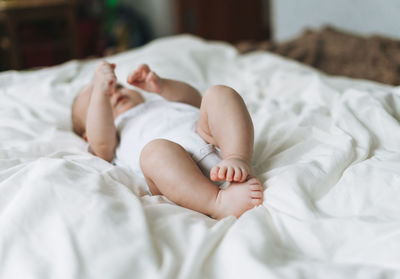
[(104, 79), (145, 79)]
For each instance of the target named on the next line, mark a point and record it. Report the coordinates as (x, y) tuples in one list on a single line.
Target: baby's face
[(122, 100)]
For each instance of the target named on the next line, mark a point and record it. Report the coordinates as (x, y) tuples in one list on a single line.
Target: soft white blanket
[(326, 149)]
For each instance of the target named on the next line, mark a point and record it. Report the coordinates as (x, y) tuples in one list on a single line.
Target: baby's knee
[(217, 92), (155, 151), (152, 149)]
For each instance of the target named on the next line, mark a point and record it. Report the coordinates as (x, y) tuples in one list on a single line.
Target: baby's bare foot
[(231, 169), (238, 198)]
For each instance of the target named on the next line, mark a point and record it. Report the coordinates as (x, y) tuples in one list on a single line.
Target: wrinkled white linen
[(328, 149)]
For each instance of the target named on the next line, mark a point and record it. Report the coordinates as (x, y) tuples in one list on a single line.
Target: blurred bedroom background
[(37, 33)]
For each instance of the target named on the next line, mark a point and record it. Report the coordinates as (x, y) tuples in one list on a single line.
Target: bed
[(327, 150)]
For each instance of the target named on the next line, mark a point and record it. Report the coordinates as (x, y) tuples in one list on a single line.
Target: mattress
[(327, 152)]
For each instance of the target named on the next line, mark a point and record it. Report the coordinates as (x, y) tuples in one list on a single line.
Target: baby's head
[(121, 100)]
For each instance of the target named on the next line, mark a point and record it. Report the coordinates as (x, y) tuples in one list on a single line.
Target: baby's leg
[(225, 122), (169, 170)]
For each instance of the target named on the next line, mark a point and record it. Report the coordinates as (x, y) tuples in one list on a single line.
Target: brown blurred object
[(38, 32), (336, 52), (227, 20)]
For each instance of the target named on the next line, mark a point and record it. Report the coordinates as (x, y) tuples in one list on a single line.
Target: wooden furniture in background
[(38, 27), (227, 20)]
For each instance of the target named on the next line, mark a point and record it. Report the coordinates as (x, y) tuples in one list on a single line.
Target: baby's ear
[(84, 136)]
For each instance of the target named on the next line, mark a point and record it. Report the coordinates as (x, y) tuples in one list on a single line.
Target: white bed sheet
[(327, 149)]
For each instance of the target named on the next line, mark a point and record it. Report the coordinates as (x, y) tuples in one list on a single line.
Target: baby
[(176, 141)]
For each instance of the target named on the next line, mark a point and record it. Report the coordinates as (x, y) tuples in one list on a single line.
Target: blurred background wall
[(36, 33), (364, 17), (161, 15), (289, 18)]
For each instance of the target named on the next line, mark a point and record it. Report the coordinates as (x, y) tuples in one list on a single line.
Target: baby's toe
[(238, 175), (256, 201), (255, 187), (254, 181), (214, 173), (222, 173), (230, 174), (256, 194)]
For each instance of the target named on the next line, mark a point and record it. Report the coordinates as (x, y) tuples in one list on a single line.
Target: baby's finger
[(143, 68), (133, 77), (112, 82), (150, 76), (140, 74)]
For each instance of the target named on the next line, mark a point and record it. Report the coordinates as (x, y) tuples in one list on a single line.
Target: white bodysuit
[(162, 119)]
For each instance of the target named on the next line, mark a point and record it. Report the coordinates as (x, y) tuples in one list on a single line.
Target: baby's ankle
[(237, 157)]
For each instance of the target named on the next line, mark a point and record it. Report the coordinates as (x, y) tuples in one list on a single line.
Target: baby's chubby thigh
[(157, 152), (167, 167), (162, 154), (159, 161)]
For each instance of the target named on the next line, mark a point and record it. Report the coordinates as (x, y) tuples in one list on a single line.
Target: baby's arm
[(100, 130), (172, 90)]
